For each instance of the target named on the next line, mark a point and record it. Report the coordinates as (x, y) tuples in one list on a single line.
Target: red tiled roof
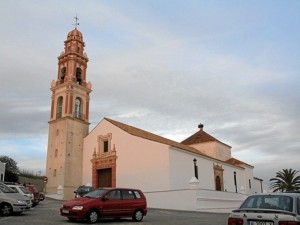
[(200, 137), (153, 137), (237, 162)]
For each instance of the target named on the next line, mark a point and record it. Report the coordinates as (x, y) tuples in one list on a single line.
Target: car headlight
[(21, 201), (77, 207)]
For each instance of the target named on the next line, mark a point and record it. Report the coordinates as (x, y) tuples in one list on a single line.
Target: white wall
[(2, 171), (195, 200), (140, 163), (260, 186), (182, 169)]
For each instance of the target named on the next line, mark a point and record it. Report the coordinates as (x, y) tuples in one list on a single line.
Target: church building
[(200, 169)]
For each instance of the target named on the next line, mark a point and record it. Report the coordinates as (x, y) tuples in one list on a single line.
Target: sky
[(162, 66)]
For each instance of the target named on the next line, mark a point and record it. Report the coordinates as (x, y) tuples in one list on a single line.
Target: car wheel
[(92, 216), (6, 209), (138, 216)]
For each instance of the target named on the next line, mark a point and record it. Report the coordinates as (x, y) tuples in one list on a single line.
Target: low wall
[(38, 182), (195, 200)]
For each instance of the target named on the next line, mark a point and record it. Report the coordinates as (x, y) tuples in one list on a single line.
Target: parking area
[(47, 212)]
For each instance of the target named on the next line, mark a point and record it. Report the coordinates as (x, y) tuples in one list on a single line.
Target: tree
[(285, 180), (11, 169)]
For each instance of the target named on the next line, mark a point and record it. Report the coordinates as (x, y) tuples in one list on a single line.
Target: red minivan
[(36, 194), (107, 203)]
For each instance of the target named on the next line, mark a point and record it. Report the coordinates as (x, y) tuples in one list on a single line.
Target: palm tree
[(285, 180)]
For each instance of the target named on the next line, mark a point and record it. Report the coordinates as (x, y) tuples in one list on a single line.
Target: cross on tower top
[(76, 21)]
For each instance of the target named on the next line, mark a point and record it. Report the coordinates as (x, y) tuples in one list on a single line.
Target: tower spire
[(76, 21)]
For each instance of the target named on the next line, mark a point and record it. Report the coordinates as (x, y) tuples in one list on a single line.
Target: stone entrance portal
[(104, 169)]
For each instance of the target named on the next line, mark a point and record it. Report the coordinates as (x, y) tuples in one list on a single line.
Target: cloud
[(163, 67)]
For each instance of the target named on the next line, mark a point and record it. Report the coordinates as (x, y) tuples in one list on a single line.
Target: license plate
[(65, 211), (261, 223)]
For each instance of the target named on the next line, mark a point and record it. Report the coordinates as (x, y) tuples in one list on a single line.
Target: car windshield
[(277, 202), (96, 193), (6, 189), (24, 190)]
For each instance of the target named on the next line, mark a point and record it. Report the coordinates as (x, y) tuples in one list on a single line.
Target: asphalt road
[(47, 213)]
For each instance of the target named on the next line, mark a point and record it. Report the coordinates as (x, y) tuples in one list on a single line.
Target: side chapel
[(116, 154)]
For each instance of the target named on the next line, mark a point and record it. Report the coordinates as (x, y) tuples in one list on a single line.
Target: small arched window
[(62, 74), (78, 75), (59, 107), (78, 108)]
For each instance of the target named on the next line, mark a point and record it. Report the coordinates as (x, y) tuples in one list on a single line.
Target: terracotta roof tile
[(236, 162), (200, 137), (153, 137)]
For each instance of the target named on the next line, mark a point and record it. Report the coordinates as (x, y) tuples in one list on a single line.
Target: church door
[(104, 177), (218, 184)]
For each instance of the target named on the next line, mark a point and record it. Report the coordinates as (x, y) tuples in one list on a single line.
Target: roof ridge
[(200, 137), (153, 137)]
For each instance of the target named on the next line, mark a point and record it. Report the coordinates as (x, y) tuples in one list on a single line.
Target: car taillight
[(287, 223), (235, 221)]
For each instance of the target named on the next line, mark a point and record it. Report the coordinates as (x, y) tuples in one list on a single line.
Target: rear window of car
[(137, 194), (284, 203)]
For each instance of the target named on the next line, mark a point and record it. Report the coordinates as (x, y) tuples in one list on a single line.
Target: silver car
[(22, 190), (268, 209), (11, 202)]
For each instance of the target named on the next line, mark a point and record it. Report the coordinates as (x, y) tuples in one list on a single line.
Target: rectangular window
[(114, 195), (127, 194), (137, 194), (105, 146)]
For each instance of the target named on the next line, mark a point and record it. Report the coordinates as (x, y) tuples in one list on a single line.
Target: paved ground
[(47, 213)]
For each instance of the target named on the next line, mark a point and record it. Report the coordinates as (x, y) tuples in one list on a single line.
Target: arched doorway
[(219, 180)]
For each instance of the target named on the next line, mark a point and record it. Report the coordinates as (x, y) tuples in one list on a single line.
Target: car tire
[(138, 216), (6, 209), (92, 216)]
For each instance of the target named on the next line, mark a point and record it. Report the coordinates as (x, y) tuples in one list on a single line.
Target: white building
[(2, 171), (116, 154)]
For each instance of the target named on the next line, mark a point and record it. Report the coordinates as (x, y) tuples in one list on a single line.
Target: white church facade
[(199, 172)]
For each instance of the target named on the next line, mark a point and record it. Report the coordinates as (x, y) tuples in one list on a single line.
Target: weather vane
[(76, 21)]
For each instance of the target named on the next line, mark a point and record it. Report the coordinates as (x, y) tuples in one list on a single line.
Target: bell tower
[(69, 118)]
